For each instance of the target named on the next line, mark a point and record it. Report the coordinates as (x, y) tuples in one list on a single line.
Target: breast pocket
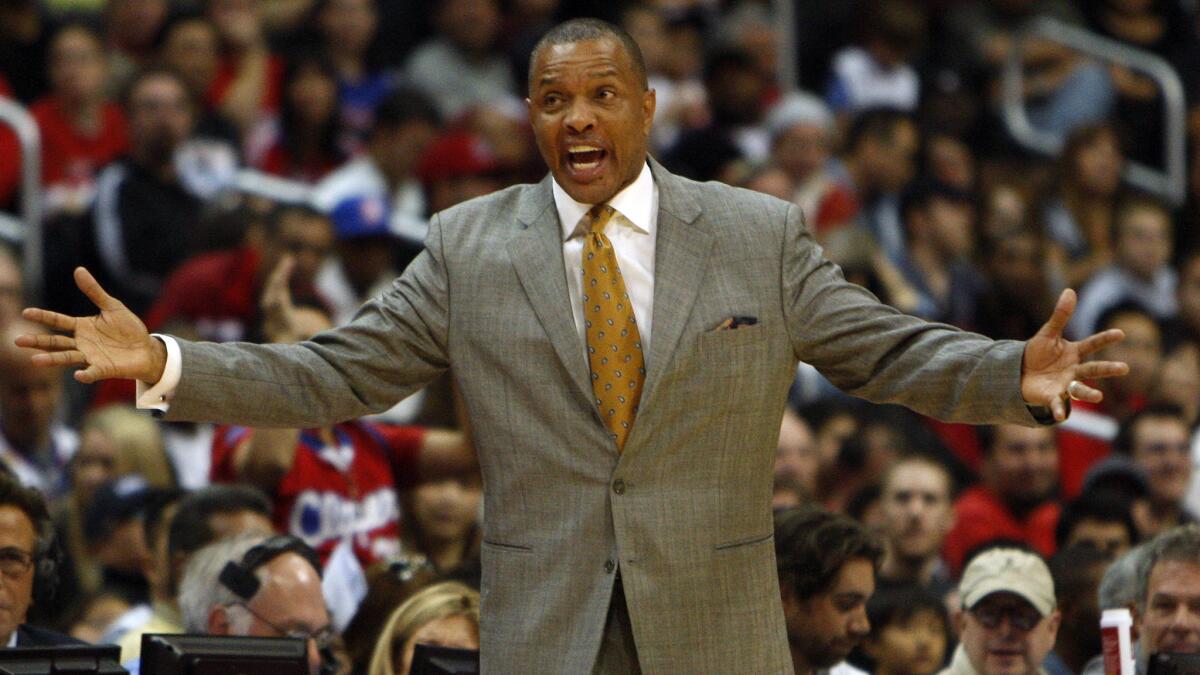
[(731, 365)]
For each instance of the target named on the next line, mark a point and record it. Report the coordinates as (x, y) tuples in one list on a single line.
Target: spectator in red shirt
[(215, 295), (1015, 500), (81, 129), (333, 483)]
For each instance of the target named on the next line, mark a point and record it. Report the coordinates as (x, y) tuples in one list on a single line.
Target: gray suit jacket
[(685, 510)]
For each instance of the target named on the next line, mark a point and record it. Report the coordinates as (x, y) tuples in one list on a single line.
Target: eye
[(551, 100), (605, 94)]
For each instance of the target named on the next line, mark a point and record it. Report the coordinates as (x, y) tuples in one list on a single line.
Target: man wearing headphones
[(256, 585), (27, 564)]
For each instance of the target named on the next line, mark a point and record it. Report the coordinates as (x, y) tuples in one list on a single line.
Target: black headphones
[(239, 577), (47, 556)]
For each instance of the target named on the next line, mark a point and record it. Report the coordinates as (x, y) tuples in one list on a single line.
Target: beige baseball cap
[(1008, 570)]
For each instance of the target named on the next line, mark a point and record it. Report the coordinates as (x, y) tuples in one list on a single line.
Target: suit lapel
[(536, 255), (680, 259)]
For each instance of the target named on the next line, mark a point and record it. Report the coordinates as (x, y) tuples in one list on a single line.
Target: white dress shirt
[(633, 239)]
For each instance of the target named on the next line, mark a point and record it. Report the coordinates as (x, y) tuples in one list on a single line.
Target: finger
[(1063, 309), (1081, 392), (49, 319), (1059, 407), (91, 288), (52, 343), (276, 289), (1094, 343), (1094, 370), (89, 375), (71, 357)]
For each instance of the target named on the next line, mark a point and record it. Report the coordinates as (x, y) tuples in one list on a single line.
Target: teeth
[(583, 148)]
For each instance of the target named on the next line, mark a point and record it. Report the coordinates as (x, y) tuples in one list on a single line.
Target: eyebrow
[(595, 75)]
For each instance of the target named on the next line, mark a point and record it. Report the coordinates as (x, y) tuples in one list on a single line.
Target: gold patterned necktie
[(614, 347)]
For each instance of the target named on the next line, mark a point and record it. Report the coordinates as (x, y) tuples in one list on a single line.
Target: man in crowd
[(499, 292), (1101, 520), (916, 503), (260, 586), (1077, 571), (1158, 439), (827, 564), (1168, 595), (27, 564), (34, 445), (1008, 621), (938, 223), (145, 220), (796, 461), (1014, 499)]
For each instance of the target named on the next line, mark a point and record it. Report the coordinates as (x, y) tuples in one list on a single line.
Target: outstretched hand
[(111, 344), (1053, 368)]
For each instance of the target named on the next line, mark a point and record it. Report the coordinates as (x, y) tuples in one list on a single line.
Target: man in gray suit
[(609, 545)]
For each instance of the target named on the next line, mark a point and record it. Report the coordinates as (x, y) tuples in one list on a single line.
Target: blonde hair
[(449, 598), (138, 441)]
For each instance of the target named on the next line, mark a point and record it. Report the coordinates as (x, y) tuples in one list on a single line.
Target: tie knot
[(598, 217)]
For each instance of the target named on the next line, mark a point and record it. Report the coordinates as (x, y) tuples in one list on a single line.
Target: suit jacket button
[(609, 566), (619, 486)]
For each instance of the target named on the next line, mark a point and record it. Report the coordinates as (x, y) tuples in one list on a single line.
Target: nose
[(580, 116), (860, 625)]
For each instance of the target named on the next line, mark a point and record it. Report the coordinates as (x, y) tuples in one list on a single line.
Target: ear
[(1137, 621), (218, 621), (958, 619), (649, 105), (1054, 621)]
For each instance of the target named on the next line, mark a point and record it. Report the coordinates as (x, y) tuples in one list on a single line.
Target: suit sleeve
[(396, 344), (873, 351)]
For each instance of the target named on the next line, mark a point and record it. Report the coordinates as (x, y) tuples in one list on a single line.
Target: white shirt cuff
[(157, 396)]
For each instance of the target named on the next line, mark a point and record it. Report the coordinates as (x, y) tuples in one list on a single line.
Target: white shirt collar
[(635, 202)]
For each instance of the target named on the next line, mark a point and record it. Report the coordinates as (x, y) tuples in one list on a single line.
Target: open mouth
[(585, 158)]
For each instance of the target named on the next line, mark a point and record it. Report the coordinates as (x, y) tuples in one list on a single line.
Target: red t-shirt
[(333, 493), (982, 517), (70, 156)]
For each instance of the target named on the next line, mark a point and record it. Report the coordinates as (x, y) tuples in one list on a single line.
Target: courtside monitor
[(222, 655), (62, 659), (1167, 663), (437, 660)]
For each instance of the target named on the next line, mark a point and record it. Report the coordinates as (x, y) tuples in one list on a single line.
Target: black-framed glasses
[(1021, 617), (323, 637), (15, 562)]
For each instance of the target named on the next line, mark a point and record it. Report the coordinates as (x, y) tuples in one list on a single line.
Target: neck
[(84, 114), (799, 662), (918, 570), (445, 554), (348, 64)]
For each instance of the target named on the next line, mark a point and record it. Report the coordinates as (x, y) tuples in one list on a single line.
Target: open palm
[(111, 344), (1053, 368)]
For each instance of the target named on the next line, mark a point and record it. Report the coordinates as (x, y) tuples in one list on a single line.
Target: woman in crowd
[(445, 614)]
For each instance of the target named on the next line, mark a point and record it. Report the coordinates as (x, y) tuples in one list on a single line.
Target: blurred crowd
[(255, 170)]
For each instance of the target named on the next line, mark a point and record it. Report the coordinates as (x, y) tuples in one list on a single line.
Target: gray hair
[(1178, 544), (578, 30), (201, 589), (1118, 587)]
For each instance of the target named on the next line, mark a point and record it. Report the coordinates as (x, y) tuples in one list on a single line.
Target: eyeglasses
[(1021, 618), (323, 637), (15, 562)]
